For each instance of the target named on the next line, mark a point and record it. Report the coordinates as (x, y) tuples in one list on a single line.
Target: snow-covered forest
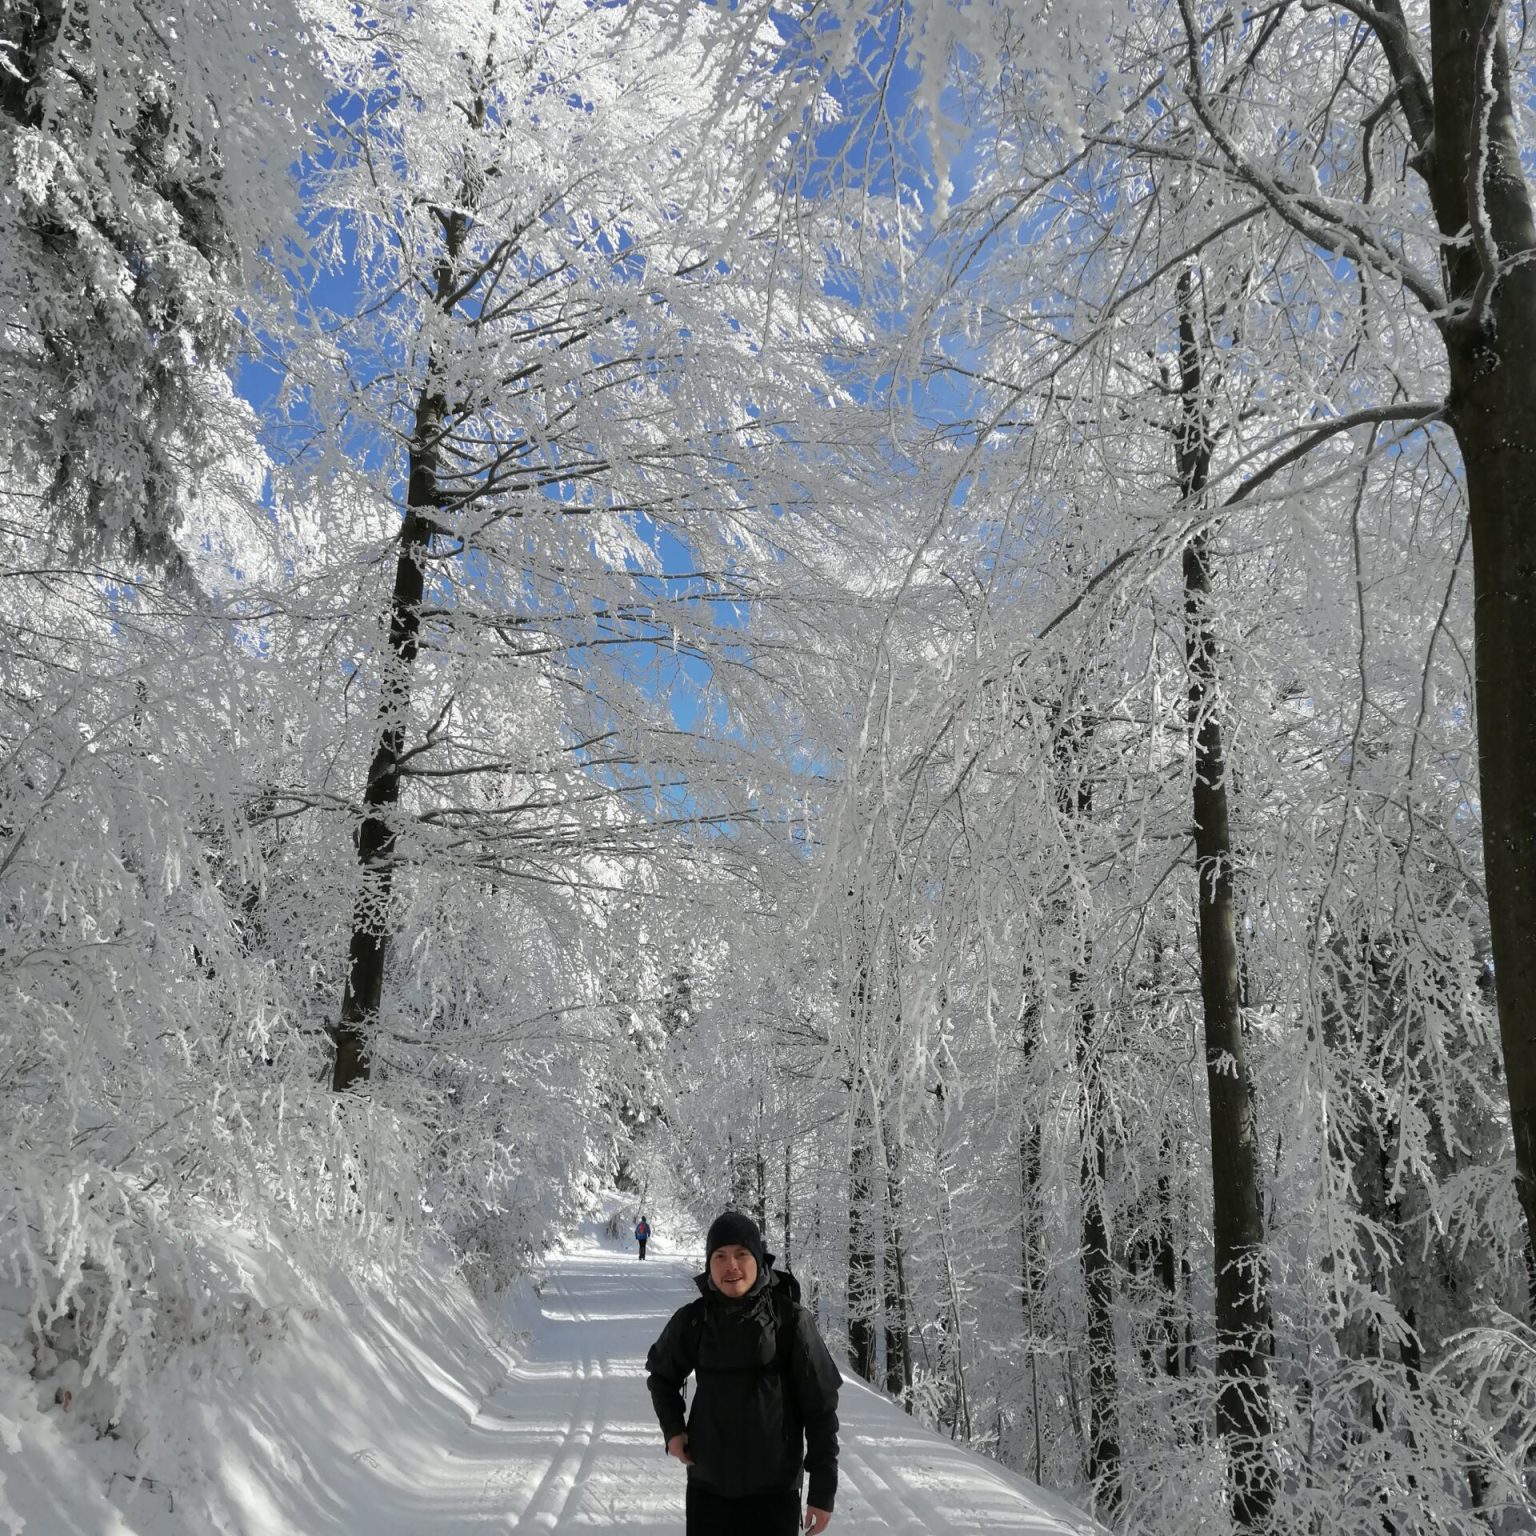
[(918, 617)]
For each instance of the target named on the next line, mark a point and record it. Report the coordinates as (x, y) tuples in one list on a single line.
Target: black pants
[(642, 1241), (766, 1514)]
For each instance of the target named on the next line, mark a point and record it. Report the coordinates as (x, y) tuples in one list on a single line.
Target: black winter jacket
[(751, 1428)]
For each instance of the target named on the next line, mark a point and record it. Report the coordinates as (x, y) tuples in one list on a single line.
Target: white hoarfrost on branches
[(147, 167), (668, 596)]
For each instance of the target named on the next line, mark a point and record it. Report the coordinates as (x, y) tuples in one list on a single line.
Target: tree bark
[(1490, 341), (952, 1334), (741, 1178), (1074, 800), (1031, 1236), (861, 1256), (1167, 1277), (898, 1342), (788, 1177), (1242, 1288), (760, 1168), (368, 951), (1098, 1277)]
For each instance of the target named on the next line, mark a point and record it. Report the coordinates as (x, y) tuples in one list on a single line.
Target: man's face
[(733, 1269)]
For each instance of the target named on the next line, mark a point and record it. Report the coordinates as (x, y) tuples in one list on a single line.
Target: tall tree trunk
[(1490, 340), (1242, 1287), (368, 949), (789, 1146), (741, 1182), (898, 1342), (861, 1255), (951, 1332), (760, 1168), (1098, 1276), (1165, 1255), (1167, 1277), (1187, 1288), (818, 1201), (1074, 799), (1031, 1236)]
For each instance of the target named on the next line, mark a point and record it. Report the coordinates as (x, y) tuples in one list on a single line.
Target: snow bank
[(329, 1402), (413, 1410)]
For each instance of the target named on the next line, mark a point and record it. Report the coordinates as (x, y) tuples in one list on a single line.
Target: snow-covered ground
[(427, 1415)]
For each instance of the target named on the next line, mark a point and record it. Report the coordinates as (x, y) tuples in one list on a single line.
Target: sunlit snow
[(435, 1417)]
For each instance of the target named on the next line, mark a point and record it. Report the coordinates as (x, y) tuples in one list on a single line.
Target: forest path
[(567, 1441)]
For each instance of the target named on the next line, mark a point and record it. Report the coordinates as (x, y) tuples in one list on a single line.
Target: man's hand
[(678, 1446), (816, 1520)]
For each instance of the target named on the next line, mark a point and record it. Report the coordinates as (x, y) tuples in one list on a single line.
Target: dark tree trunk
[(1074, 799), (1491, 348), (741, 1184), (813, 1284), (1031, 1237), (1187, 1285), (951, 1334), (861, 1255), (1032, 1256), (788, 1185), (1098, 1275), (760, 1167), (368, 950), (1167, 1277), (1166, 1255), (1242, 1287), (898, 1343)]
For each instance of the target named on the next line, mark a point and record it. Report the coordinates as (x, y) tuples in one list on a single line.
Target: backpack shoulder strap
[(786, 1317), (692, 1328)]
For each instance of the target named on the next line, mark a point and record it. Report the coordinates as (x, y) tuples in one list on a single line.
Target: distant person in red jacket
[(642, 1234)]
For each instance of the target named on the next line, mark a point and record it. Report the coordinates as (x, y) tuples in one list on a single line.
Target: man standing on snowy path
[(642, 1233), (765, 1406)]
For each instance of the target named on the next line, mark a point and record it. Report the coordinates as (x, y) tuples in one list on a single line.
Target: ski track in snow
[(566, 1442), (398, 1414)]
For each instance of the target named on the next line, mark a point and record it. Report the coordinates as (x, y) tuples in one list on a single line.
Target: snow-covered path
[(567, 1441), (413, 1411)]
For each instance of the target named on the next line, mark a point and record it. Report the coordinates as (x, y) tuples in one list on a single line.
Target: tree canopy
[(922, 612)]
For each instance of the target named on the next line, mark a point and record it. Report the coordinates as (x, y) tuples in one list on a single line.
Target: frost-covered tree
[(146, 166), (557, 394), (1273, 537), (575, 363), (1380, 144)]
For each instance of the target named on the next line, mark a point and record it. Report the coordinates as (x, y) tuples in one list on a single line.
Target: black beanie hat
[(731, 1228)]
